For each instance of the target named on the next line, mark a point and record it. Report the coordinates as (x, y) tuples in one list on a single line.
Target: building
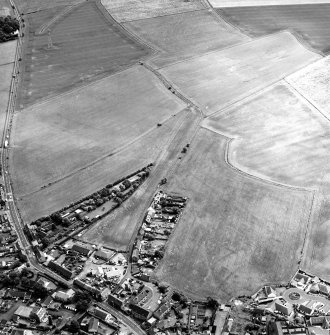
[(63, 296), (102, 255), (38, 313), (115, 301), (320, 321), (87, 287), (67, 274), (82, 250), (23, 312), (219, 322), (162, 310), (47, 301), (269, 292), (93, 325), (284, 308), (140, 312)]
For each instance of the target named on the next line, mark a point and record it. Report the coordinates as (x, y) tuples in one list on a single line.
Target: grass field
[(244, 3), (63, 134), (7, 52), (279, 136), (236, 233), (108, 170), (87, 45), (27, 6), (313, 82), (185, 35), (310, 22), (218, 79), (128, 10), (5, 8), (116, 230)]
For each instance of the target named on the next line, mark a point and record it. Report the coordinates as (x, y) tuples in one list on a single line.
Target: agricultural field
[(217, 80), (185, 35), (27, 6), (313, 82), (116, 230), (105, 171), (311, 23), (245, 3), (86, 45), (62, 135), (236, 232), (5, 8), (270, 137), (316, 257), (7, 52), (129, 10)]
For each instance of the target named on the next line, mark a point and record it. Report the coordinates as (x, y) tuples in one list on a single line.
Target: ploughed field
[(244, 3), (86, 45), (128, 10), (219, 79), (185, 35), (278, 136), (310, 22), (236, 232), (62, 135)]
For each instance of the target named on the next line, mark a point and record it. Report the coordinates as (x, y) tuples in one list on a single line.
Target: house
[(219, 322), (115, 301), (320, 321), (306, 309), (162, 310), (49, 286), (140, 312), (82, 250), (284, 308), (93, 325), (67, 274), (324, 289), (22, 312), (269, 292), (63, 296), (102, 255), (38, 313), (47, 301)]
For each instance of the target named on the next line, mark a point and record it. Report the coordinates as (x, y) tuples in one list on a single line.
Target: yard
[(185, 35), (219, 79), (237, 232), (309, 21), (86, 45)]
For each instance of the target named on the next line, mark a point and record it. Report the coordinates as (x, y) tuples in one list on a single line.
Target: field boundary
[(229, 141), (107, 155), (67, 10)]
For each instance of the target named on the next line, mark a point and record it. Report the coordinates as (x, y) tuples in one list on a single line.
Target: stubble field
[(59, 136), (244, 3), (27, 6), (310, 22), (236, 233), (87, 45), (218, 79), (278, 136), (185, 35), (128, 10), (135, 156)]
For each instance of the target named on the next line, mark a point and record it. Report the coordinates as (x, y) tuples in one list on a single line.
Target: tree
[(74, 326), (40, 291), (82, 305), (212, 303), (57, 218), (66, 222)]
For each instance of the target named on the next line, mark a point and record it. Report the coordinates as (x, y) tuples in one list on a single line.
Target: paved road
[(122, 318)]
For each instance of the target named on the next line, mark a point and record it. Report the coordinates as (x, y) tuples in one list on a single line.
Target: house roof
[(23, 312), (93, 325), (100, 313), (83, 250), (140, 310)]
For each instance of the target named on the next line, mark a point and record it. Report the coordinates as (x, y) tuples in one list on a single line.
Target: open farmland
[(5, 8), (87, 45), (27, 6), (270, 137), (218, 79), (236, 232), (59, 136), (108, 170), (185, 35), (313, 82), (117, 229), (311, 23), (7, 52), (244, 3), (128, 10)]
